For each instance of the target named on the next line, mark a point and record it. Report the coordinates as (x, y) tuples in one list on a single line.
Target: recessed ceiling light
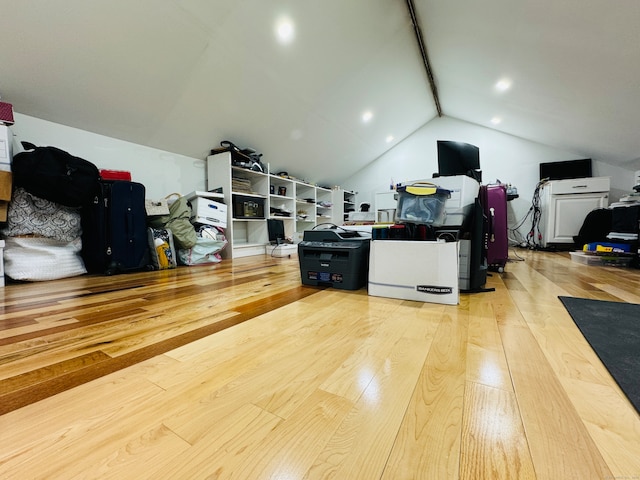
[(367, 116), (496, 120), (503, 85), (389, 138), (285, 30)]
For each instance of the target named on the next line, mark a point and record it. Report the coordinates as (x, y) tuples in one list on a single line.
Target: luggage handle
[(492, 225)]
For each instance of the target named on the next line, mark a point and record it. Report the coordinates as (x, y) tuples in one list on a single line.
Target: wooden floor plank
[(494, 443), (548, 416), (433, 420)]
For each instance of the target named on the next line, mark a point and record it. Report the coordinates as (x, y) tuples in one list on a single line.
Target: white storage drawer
[(579, 185)]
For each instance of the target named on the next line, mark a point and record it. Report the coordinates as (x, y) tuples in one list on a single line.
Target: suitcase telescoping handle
[(492, 225)]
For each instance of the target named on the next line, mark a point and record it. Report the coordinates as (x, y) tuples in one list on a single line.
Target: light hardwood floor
[(238, 371)]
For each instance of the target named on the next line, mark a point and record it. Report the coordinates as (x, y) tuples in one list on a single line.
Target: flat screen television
[(275, 229), (458, 158), (566, 169)]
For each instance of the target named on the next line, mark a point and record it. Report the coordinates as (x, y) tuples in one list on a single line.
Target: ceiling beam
[(423, 52)]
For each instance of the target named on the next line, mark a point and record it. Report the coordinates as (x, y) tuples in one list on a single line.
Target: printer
[(334, 257)]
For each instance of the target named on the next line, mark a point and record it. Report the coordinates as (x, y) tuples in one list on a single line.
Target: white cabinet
[(564, 204)]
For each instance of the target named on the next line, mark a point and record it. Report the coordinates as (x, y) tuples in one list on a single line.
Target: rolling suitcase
[(114, 229), (494, 203)]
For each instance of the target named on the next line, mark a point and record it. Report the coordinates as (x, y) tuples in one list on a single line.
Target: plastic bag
[(210, 242), (163, 252)]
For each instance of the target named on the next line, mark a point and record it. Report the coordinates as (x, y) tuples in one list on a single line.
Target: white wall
[(503, 157), (160, 172)]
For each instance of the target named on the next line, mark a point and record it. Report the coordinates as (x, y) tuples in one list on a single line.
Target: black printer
[(334, 257)]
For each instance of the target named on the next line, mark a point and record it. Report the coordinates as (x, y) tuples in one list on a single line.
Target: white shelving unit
[(282, 202), (324, 206), (348, 203), (301, 206), (246, 234), (305, 207)]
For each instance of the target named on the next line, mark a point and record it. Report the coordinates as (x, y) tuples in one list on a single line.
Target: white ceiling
[(182, 75)]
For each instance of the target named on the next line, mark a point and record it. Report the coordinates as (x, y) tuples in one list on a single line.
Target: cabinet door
[(567, 214)]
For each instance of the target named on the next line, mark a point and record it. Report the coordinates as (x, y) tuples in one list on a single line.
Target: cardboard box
[(208, 212), (414, 270), (5, 194), (6, 180), (6, 148)]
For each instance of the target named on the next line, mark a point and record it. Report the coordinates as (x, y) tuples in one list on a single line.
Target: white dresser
[(564, 205)]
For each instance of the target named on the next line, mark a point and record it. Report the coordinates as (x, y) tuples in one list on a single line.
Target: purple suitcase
[(494, 203)]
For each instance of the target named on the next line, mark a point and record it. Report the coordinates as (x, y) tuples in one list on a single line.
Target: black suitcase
[(114, 229)]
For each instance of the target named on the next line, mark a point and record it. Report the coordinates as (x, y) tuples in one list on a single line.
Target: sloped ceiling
[(183, 75)]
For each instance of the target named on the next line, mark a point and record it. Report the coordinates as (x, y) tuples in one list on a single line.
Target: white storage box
[(422, 203), (601, 260), (6, 148), (282, 250), (414, 270), (206, 210), (464, 191)]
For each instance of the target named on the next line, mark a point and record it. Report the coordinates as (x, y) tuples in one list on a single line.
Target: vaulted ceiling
[(182, 75)]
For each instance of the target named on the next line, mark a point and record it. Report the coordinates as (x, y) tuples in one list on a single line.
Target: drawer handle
[(580, 186)]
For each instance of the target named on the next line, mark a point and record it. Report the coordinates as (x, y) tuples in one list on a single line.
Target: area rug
[(613, 331)]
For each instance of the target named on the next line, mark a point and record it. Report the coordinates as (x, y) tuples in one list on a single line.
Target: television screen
[(275, 228), (566, 169), (458, 158)]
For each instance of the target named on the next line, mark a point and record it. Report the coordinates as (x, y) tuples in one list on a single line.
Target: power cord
[(533, 239), (279, 256)]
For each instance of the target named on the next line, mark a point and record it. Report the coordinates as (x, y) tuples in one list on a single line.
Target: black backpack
[(55, 175)]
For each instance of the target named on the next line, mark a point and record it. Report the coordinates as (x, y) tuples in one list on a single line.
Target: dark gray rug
[(613, 331)]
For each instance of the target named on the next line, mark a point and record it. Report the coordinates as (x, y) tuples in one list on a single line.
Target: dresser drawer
[(579, 185)]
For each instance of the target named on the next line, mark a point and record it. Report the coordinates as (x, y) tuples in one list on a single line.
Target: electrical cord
[(533, 239), (279, 256)]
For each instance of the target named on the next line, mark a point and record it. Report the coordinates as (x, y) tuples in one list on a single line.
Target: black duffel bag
[(55, 175), (245, 157)]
